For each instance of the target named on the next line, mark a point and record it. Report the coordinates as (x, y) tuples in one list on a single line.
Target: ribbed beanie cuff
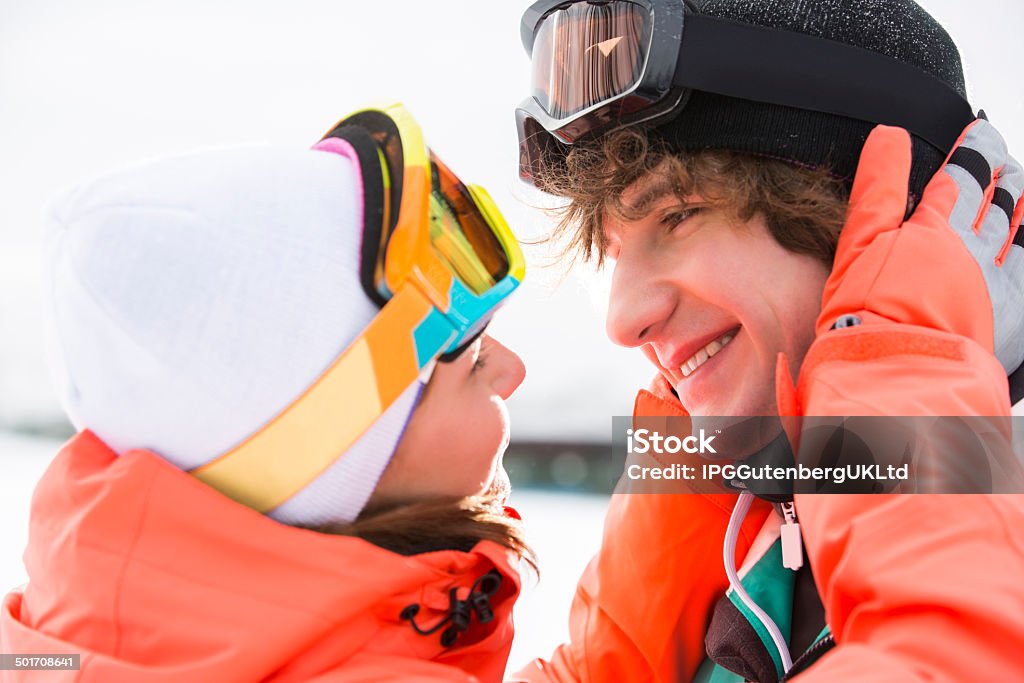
[(805, 138), (899, 29)]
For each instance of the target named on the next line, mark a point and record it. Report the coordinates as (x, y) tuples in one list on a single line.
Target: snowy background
[(90, 87)]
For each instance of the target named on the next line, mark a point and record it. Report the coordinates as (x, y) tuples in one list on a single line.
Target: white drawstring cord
[(739, 513)]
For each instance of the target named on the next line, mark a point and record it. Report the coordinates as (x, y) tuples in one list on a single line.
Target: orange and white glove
[(953, 265)]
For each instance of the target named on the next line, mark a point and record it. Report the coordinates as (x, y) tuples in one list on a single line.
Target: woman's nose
[(507, 367), (636, 306)]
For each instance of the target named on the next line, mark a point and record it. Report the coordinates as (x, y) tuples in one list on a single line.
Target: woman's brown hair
[(413, 528), (803, 208)]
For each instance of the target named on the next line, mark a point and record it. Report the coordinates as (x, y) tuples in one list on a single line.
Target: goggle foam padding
[(368, 158)]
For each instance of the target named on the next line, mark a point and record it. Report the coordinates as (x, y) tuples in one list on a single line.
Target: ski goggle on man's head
[(602, 64), (439, 259)]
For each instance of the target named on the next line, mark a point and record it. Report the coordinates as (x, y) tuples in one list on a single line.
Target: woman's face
[(458, 433), (711, 300)]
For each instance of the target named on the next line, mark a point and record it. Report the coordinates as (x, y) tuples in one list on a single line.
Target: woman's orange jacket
[(151, 576), (922, 588)]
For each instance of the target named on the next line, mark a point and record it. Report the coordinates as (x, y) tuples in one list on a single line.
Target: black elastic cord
[(805, 72), (460, 612)]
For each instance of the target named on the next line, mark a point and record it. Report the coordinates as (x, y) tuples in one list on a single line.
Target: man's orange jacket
[(925, 588)]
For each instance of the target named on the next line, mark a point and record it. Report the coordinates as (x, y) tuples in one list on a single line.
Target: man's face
[(710, 300)]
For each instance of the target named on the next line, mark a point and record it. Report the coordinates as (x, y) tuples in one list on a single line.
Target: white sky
[(87, 87)]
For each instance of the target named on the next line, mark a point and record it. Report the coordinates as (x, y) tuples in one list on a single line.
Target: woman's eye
[(480, 360)]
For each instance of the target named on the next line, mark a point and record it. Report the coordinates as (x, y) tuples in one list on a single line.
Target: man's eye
[(674, 219)]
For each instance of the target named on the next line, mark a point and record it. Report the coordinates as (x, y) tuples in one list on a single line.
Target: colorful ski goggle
[(602, 64), (439, 259)]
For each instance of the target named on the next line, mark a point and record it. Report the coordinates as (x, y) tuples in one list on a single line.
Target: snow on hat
[(192, 299)]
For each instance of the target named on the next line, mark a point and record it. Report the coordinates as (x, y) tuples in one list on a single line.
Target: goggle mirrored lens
[(587, 53), (461, 234)]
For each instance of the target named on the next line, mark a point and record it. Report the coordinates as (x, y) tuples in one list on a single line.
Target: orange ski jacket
[(915, 588), (152, 576)]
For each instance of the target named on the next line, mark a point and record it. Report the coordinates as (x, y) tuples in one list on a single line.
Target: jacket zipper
[(792, 543), (810, 656)]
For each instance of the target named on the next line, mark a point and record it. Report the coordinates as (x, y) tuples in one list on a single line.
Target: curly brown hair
[(803, 208)]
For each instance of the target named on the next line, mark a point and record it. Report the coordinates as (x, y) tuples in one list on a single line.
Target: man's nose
[(637, 305)]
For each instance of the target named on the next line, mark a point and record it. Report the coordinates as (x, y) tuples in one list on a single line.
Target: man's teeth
[(701, 357)]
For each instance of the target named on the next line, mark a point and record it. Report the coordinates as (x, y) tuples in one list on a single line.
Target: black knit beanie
[(900, 29)]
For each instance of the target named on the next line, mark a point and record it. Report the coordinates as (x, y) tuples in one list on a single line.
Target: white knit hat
[(193, 299)]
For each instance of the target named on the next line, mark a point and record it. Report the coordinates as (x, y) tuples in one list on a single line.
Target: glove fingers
[(1008, 214), (1007, 206), (878, 201), (1008, 314), (972, 166), (990, 184)]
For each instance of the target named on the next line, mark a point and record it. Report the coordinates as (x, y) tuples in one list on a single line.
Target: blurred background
[(90, 87)]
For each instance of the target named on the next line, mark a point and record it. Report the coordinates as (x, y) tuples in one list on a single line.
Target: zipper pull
[(792, 543)]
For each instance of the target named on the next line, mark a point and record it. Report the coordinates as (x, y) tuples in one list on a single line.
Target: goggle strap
[(806, 72), (373, 204), (317, 428)]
